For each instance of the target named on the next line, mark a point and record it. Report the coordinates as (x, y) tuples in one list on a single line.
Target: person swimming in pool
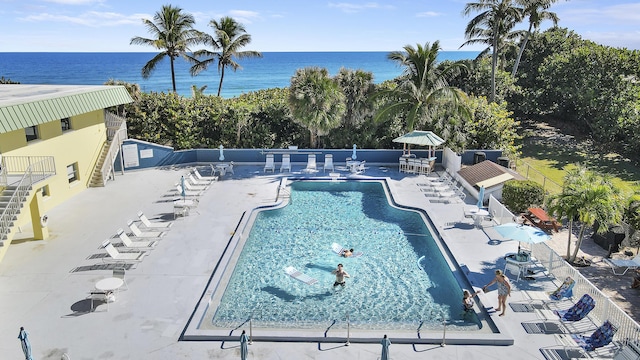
[(340, 275), (347, 253)]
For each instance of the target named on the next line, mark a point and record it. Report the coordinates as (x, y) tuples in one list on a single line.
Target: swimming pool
[(402, 281)]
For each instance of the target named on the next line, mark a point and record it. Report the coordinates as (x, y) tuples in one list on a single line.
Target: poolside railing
[(606, 309)]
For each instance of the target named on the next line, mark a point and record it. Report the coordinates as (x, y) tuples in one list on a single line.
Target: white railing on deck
[(628, 329), (499, 212)]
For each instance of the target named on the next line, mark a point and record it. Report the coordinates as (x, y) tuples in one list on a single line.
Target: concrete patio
[(44, 284)]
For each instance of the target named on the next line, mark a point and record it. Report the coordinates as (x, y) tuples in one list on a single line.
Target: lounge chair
[(565, 290), (601, 337), (269, 164), (188, 193), (294, 273), (623, 263), (194, 188), (577, 312), (361, 167), (143, 234), (143, 245), (328, 162), (203, 178), (311, 164), (121, 257), (198, 183), (286, 163), (230, 168), (149, 224)]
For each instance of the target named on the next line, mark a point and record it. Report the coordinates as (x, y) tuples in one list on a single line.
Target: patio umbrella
[(221, 158), (244, 348), (385, 348), (353, 156), (26, 344), (522, 233), (422, 138), (481, 197), (183, 192)]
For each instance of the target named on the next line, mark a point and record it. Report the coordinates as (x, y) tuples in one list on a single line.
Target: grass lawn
[(550, 159)]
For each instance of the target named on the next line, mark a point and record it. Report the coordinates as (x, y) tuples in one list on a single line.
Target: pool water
[(402, 280)]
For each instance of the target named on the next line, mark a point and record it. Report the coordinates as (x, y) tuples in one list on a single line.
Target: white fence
[(499, 212)]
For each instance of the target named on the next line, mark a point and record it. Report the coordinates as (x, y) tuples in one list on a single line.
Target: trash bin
[(503, 161), (479, 157)]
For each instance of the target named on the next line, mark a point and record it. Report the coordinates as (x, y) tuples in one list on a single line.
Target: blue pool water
[(387, 288)]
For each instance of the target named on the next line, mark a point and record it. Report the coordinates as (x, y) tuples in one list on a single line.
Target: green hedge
[(518, 195)]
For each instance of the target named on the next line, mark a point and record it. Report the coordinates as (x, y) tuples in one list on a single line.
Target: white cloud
[(353, 8), (244, 16), (630, 40), (616, 14), (428, 14), (90, 18)]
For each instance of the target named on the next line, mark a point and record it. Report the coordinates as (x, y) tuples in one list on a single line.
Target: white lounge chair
[(143, 234), (140, 244), (294, 273), (149, 224), (198, 183), (623, 263), (269, 164), (286, 163), (230, 168), (187, 192), (311, 163), (115, 256), (200, 177), (328, 162), (191, 187), (361, 167)]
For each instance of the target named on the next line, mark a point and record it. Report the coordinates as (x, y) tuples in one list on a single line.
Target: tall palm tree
[(229, 37), (587, 197), (536, 11), (422, 86), (493, 25), (316, 101), (173, 34)]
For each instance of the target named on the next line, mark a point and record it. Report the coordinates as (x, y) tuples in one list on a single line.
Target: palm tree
[(422, 86), (173, 34), (537, 12), (587, 197), (316, 101), (493, 26), (229, 37)]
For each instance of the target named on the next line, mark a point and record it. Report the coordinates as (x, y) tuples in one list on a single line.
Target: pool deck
[(44, 284)]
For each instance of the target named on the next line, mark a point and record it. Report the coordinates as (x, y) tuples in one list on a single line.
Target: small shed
[(488, 174)]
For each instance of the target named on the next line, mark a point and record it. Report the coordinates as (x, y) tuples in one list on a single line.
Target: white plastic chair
[(286, 163), (328, 162), (311, 163), (269, 164)]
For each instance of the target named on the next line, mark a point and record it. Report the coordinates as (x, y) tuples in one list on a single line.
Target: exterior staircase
[(11, 203), (116, 135)]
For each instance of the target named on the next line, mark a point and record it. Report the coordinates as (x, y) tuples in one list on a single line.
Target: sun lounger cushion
[(565, 290), (294, 273), (601, 337), (579, 310)]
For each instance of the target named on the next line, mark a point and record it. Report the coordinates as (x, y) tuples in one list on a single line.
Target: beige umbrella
[(419, 137)]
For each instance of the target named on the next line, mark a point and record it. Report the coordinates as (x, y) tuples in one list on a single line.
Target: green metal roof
[(22, 106)]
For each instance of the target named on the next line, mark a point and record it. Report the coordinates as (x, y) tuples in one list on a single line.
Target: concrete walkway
[(44, 284)]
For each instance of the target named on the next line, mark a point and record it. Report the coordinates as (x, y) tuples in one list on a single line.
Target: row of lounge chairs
[(551, 308), (312, 165), (444, 186), (190, 188)]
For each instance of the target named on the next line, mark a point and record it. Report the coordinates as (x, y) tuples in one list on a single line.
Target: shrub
[(518, 195)]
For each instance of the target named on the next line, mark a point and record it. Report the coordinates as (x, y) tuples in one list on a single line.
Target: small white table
[(222, 168), (477, 214), (182, 207), (109, 285), (353, 165)]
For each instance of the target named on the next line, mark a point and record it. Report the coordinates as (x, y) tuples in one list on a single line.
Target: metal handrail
[(15, 202), (116, 134)]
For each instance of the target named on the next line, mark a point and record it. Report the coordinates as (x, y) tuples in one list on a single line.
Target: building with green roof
[(55, 141)]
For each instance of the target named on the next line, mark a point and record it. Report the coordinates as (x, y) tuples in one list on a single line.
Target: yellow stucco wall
[(12, 140), (82, 145)]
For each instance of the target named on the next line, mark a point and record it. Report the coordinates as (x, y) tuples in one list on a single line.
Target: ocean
[(274, 69)]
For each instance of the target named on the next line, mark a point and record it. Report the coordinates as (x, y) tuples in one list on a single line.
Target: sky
[(290, 25)]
